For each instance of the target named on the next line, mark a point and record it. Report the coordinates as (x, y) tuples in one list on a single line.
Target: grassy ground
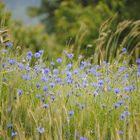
[(68, 99)]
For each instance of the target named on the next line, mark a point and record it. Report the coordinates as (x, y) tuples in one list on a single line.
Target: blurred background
[(86, 27)]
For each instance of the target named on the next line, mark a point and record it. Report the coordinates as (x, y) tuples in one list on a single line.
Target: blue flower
[(139, 68), (3, 65), (53, 98), (43, 99), (124, 50), (131, 87), (27, 68), (121, 102), (138, 74), (95, 94), (59, 60), (12, 62), (122, 69), (20, 92), (58, 80), (52, 63), (41, 130), (68, 95), (76, 71), (69, 81), (21, 66), (44, 105), (100, 82), (126, 75), (45, 88), (127, 97), (93, 84), (70, 55), (116, 91), (9, 45), (29, 55), (4, 51), (71, 113), (69, 66), (83, 138), (124, 115), (38, 85), (116, 105), (90, 70), (126, 88), (41, 52), (26, 77), (38, 96), (44, 79), (13, 134), (121, 132), (76, 135), (37, 55), (138, 61), (109, 88), (52, 84), (46, 71), (56, 71), (69, 74)]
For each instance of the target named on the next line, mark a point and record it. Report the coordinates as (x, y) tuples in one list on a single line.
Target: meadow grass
[(68, 99)]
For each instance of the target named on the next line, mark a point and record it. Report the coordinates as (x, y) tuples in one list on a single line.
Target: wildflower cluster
[(70, 97)]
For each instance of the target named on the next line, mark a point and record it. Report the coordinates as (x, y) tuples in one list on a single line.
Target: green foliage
[(77, 30), (4, 16), (65, 23), (64, 19), (29, 37)]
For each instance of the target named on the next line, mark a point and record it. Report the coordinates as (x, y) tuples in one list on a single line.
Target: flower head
[(51, 84), (12, 61), (41, 52), (9, 45), (83, 138), (21, 66), (26, 77), (59, 60), (38, 85), (71, 112), (45, 88), (29, 55), (19, 91), (70, 55), (138, 61), (46, 71), (44, 105), (41, 130), (121, 132), (13, 134), (124, 50), (117, 91), (37, 55)]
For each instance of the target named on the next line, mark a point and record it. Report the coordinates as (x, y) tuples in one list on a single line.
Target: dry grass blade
[(4, 36)]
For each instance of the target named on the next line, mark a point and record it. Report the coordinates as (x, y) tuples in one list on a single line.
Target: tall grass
[(113, 38), (75, 99)]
